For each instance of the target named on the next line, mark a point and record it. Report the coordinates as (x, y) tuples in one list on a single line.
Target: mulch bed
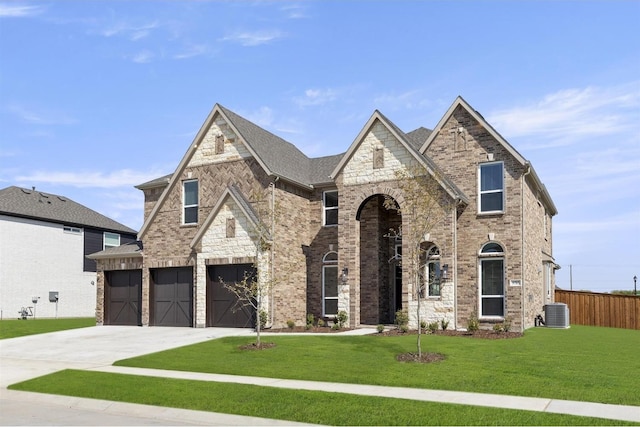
[(403, 357), (483, 334)]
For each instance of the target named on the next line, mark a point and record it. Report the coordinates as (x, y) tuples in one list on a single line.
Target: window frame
[(502, 191), (433, 259), (328, 262), (190, 206), (326, 208), (104, 240), (488, 254)]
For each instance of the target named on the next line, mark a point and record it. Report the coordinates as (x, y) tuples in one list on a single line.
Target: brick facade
[(367, 174)]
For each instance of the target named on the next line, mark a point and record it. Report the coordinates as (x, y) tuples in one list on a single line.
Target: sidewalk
[(587, 409)]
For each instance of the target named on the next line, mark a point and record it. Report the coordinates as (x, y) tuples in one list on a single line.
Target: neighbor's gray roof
[(34, 204), (418, 137)]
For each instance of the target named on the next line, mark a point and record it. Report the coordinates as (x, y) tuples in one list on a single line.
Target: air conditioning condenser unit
[(556, 315)]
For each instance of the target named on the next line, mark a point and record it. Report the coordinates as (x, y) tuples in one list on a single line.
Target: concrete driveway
[(36, 355)]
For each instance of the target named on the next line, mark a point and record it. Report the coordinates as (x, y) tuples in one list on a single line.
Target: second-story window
[(190, 202), (330, 205), (491, 183), (111, 240)]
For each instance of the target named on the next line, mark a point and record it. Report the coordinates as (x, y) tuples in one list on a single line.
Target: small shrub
[(506, 325), (320, 323), (498, 328), (404, 328), (380, 329), (474, 323), (402, 319), (310, 321), (423, 325), (335, 326), (433, 327), (444, 324), (291, 324), (341, 318), (264, 317)]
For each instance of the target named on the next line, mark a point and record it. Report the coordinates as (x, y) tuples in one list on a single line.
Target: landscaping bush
[(444, 324), (433, 327), (291, 324), (341, 318), (380, 329), (473, 324), (402, 319)]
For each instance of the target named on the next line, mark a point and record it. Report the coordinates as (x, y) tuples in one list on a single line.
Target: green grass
[(294, 405), (581, 363), (18, 328)]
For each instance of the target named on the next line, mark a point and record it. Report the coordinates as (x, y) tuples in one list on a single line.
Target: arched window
[(330, 284), (492, 277)]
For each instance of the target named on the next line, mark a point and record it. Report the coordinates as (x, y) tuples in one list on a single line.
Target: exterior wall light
[(345, 275)]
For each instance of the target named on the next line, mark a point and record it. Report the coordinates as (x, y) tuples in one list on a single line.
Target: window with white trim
[(190, 202), (433, 272), (491, 187), (72, 230), (330, 207), (330, 284), (491, 275), (110, 240)]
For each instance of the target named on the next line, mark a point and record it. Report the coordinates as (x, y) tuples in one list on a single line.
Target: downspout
[(524, 282), (273, 247), (455, 265)]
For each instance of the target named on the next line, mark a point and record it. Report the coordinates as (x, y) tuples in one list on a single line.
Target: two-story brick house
[(328, 241)]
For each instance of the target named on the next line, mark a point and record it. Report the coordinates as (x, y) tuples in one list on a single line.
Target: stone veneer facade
[(364, 177)]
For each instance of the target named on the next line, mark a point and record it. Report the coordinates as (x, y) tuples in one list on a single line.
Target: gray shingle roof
[(158, 182), (418, 136), (34, 204), (128, 250), (279, 156)]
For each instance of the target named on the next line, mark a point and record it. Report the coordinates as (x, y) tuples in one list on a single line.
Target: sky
[(97, 97)]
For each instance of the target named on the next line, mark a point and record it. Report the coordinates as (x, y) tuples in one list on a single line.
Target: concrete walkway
[(97, 348)]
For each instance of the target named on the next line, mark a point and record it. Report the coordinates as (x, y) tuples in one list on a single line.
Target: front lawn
[(284, 404), (581, 363), (16, 328)]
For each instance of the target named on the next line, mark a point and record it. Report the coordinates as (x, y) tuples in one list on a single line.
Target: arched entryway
[(380, 253)]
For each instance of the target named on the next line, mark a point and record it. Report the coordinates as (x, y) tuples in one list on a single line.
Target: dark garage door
[(172, 297), (222, 307), (123, 297)]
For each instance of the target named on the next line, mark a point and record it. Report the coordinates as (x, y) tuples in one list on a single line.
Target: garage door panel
[(223, 307), (123, 296), (172, 296)]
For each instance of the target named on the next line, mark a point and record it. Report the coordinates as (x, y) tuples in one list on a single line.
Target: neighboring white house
[(44, 240)]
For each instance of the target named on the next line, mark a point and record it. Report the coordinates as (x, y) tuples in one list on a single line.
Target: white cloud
[(191, 51), (254, 38), (84, 179), (294, 11), (567, 115), (132, 32), (400, 101), (143, 57), (316, 97), (42, 117), (18, 11)]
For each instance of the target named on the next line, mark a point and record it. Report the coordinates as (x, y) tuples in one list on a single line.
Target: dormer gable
[(231, 218)]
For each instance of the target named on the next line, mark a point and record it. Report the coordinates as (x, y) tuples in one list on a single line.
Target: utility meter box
[(53, 296)]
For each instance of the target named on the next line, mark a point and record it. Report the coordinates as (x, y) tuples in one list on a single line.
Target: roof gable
[(536, 182), (231, 193), (460, 102), (408, 143), (21, 202)]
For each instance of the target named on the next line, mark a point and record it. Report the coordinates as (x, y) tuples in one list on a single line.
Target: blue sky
[(96, 97)]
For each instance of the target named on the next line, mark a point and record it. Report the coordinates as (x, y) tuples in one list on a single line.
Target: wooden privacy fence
[(593, 309)]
